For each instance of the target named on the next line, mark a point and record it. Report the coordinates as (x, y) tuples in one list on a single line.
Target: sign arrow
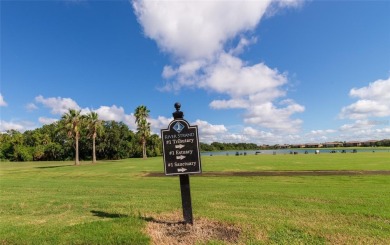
[(181, 170), (181, 157), (179, 146)]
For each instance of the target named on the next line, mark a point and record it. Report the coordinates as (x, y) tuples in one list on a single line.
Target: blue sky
[(265, 72)]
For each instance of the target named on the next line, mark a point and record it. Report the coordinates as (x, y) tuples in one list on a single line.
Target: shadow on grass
[(168, 223), (57, 166), (102, 214)]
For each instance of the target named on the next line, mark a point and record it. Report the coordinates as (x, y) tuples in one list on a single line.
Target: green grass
[(58, 203)]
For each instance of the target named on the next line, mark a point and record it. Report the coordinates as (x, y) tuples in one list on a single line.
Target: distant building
[(333, 144), (369, 143), (313, 145), (353, 143), (298, 146), (264, 146)]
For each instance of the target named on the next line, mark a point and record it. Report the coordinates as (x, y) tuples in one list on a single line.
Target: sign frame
[(181, 148)]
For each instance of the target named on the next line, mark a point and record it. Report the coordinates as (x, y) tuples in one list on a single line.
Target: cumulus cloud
[(57, 105), (350, 132), (264, 137), (16, 125), (111, 113), (322, 132), (4, 126), (205, 39), (156, 124), (229, 75), (2, 101), (209, 133), (374, 101), (278, 119), (319, 136), (46, 120), (207, 128), (196, 31)]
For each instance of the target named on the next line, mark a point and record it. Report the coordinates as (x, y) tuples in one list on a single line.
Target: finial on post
[(178, 114)]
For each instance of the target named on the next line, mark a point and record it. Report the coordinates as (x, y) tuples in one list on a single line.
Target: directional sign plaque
[(181, 148)]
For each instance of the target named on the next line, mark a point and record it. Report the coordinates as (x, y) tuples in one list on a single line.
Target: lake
[(288, 151)]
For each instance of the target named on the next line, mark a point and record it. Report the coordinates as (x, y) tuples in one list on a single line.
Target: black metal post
[(186, 198), (184, 180)]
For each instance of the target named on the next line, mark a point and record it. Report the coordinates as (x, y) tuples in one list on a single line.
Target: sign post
[(182, 156)]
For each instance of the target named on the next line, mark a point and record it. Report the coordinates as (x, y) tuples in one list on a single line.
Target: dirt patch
[(168, 229), (285, 173)]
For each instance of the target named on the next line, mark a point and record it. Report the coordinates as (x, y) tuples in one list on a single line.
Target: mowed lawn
[(111, 202)]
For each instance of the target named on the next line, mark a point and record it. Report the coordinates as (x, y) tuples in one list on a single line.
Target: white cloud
[(46, 120), (364, 125), (209, 133), (265, 137), (18, 125), (244, 42), (159, 123), (57, 105), (322, 132), (111, 113), (31, 107), (4, 126), (60, 106), (192, 31), (319, 136), (259, 135), (278, 119), (206, 128), (229, 75), (277, 5), (197, 34), (362, 134), (2, 101), (229, 104), (374, 101)]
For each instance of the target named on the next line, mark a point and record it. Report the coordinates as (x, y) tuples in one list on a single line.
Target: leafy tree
[(95, 127), (39, 153), (115, 142), (6, 148), (54, 151), (143, 126), (72, 121), (58, 147), (22, 153), (154, 146)]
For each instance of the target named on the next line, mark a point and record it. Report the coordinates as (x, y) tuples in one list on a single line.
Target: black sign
[(181, 148)]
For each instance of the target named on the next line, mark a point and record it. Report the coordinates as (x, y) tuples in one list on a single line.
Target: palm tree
[(72, 121), (143, 126), (95, 127)]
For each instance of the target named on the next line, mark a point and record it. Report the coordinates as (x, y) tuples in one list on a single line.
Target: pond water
[(291, 151)]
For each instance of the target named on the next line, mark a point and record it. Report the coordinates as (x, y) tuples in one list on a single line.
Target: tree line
[(84, 137), (217, 146), (88, 138)]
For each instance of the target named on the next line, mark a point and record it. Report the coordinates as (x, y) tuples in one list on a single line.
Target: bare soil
[(169, 229)]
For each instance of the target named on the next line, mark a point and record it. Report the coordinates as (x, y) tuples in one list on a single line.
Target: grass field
[(113, 201)]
